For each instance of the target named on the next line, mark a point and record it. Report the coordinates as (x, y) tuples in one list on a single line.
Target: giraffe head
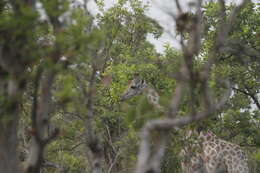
[(135, 87)]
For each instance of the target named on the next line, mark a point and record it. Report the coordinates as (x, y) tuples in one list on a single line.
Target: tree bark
[(8, 143), (40, 122), (11, 91)]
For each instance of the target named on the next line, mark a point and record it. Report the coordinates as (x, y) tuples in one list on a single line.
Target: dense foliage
[(92, 58)]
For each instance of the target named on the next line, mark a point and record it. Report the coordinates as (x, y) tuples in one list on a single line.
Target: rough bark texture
[(40, 122), (8, 143), (11, 91)]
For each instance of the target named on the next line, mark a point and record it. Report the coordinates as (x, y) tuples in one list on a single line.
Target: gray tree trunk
[(8, 144), (10, 93)]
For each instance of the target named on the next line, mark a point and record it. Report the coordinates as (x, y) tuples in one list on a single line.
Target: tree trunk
[(8, 144), (10, 91), (40, 122)]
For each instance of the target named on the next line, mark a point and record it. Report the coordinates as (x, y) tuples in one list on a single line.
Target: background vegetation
[(61, 79)]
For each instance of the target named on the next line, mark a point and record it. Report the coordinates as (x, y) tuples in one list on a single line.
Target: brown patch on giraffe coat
[(212, 144), (228, 148), (213, 152), (207, 138), (229, 157), (206, 159), (232, 152), (214, 158), (217, 148), (225, 152)]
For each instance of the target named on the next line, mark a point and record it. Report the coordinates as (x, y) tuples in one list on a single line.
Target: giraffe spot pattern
[(220, 152)]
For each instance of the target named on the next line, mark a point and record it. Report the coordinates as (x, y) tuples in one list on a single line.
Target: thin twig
[(178, 6), (114, 162)]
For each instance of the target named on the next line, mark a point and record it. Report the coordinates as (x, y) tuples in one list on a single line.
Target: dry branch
[(149, 157)]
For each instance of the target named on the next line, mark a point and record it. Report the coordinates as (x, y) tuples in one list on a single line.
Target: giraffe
[(195, 164), (217, 156), (138, 86), (191, 163), (191, 160)]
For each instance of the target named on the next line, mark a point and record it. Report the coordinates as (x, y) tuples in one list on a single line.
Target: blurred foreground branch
[(149, 157)]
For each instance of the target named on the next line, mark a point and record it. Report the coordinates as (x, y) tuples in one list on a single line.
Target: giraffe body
[(217, 156), (191, 160), (191, 163), (218, 152)]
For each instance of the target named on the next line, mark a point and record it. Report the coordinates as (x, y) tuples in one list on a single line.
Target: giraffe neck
[(153, 97)]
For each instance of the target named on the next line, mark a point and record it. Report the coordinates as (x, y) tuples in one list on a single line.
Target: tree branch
[(250, 94)]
